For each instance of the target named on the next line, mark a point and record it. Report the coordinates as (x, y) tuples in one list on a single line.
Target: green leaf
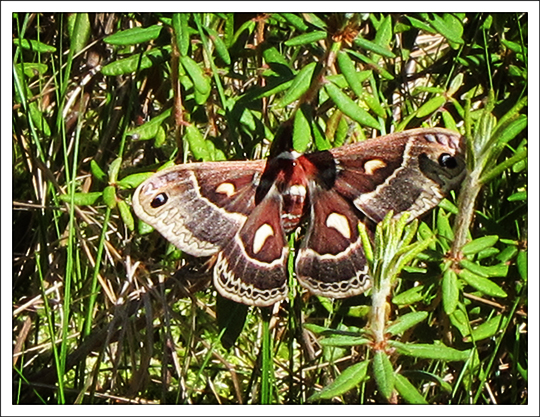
[(487, 329), (34, 46), (197, 143), (348, 69), (430, 106), (79, 31), (114, 169), (220, 46), (161, 136), (482, 284), (180, 26), (39, 121), (315, 328), (522, 264), (301, 131), (351, 377), (406, 322), (373, 47), (427, 351), (129, 65), (519, 196), (383, 373), (444, 228), (418, 24), (109, 196), (196, 73), (384, 32), (507, 254), (134, 36), (350, 108), (341, 341), (150, 129), (410, 296), (97, 172), (295, 21), (126, 215), (143, 228), (81, 199), (300, 85), (500, 270), (272, 56), (320, 140), (408, 391), (450, 27), (479, 244), (31, 69), (513, 129), (450, 291), (455, 84), (460, 321), (306, 38), (134, 180), (373, 104)]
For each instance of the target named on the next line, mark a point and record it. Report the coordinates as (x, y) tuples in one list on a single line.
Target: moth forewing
[(199, 207)]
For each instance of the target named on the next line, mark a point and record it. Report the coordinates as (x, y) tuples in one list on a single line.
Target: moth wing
[(331, 260), (251, 268), (406, 171), (199, 207)]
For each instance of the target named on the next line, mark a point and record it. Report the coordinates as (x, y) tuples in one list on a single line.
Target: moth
[(241, 211)]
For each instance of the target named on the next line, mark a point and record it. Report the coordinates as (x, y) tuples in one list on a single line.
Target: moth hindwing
[(241, 211)]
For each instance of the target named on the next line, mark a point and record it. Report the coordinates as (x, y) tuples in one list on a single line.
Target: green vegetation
[(103, 100)]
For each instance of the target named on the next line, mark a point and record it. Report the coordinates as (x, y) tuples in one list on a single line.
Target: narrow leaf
[(97, 172), (180, 26), (126, 215), (344, 341), (129, 65), (407, 321), (500, 270), (197, 143), (134, 180), (109, 196), (350, 108), (348, 69), (349, 378), (430, 106), (450, 291), (81, 199), (408, 391), (411, 296), (479, 244), (373, 47), (299, 86), (114, 169), (484, 285), (301, 131), (487, 329), (34, 46), (383, 373), (427, 351), (306, 38), (149, 129), (196, 73), (134, 36)]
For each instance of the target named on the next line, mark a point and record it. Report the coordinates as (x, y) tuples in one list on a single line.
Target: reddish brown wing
[(212, 208), (331, 260), (251, 269), (408, 171), (199, 207)]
